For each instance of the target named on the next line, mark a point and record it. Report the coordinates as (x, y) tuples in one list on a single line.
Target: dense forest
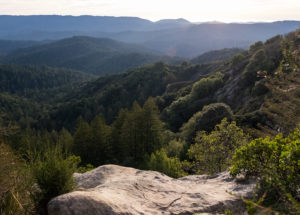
[(236, 110), (92, 55)]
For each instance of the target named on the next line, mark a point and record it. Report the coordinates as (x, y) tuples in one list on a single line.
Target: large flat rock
[(116, 190)]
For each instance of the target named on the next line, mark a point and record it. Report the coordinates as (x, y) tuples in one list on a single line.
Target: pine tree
[(119, 148), (82, 140), (65, 139), (141, 132), (100, 144), (131, 134), (152, 127)]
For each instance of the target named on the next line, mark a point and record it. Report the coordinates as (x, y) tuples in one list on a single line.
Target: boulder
[(116, 190)]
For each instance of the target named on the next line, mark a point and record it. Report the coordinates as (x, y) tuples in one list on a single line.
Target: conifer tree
[(131, 133), (82, 141), (119, 148), (65, 139), (152, 127), (100, 143), (141, 132)]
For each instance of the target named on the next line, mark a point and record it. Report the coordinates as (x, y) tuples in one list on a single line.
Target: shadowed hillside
[(92, 55)]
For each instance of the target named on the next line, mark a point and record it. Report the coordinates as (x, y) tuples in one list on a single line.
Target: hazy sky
[(193, 10)]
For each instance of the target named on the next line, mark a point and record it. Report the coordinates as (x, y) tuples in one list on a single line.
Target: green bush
[(257, 63), (260, 88), (159, 161), (175, 148), (15, 184), (205, 120), (237, 60), (276, 162), (52, 170), (86, 168), (207, 86), (212, 152)]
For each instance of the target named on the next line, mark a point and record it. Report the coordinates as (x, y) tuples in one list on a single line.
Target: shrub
[(207, 86), (212, 152), (236, 59), (159, 161), (260, 88), (256, 64), (205, 120), (275, 161), (52, 171), (175, 148)]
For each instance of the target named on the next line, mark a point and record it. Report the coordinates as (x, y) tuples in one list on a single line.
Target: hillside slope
[(92, 55), (216, 55), (261, 86), (27, 91), (8, 46)]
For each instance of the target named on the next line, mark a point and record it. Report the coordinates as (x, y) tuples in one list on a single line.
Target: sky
[(192, 10)]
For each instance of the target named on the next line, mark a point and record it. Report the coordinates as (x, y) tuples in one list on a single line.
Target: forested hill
[(27, 92), (7, 46), (21, 79), (261, 87), (176, 119), (87, 54), (216, 55)]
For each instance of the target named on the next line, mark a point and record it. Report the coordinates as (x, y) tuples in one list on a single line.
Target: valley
[(172, 96)]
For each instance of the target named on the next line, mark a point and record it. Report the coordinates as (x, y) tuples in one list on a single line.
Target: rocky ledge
[(116, 190)]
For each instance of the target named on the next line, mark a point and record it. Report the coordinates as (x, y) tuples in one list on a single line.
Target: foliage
[(217, 55), (237, 59), (83, 169), (206, 86), (27, 92), (256, 46), (52, 170), (26, 80), (205, 120), (256, 64), (108, 95), (91, 141), (171, 166), (141, 132), (15, 184), (184, 107), (212, 152), (51, 103), (275, 161), (133, 135), (260, 88), (175, 148)]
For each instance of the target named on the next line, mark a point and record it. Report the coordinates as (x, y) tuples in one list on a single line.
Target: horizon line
[(157, 20)]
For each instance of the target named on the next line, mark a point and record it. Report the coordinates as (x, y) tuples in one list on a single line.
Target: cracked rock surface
[(117, 190)]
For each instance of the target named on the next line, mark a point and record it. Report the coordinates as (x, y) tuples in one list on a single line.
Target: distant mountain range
[(49, 23), (176, 37)]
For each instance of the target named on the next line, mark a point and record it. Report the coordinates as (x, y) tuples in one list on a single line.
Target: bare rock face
[(116, 190)]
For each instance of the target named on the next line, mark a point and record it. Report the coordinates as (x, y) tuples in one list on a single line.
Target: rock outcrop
[(116, 190)]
